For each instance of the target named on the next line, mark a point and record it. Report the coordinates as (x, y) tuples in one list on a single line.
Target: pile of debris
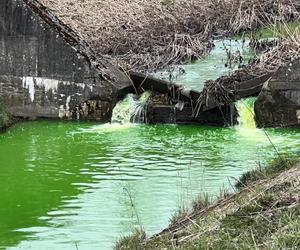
[(225, 89), (145, 35)]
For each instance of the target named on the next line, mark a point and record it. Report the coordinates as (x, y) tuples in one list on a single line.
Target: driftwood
[(144, 82), (204, 100)]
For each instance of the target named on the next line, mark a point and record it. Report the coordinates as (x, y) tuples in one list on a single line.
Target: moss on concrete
[(4, 118)]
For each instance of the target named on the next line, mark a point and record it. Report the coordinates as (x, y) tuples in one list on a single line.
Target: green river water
[(70, 185)]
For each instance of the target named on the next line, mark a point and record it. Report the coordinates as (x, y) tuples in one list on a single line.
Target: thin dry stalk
[(145, 35)]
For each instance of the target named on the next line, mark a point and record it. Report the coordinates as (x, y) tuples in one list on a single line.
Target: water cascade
[(245, 109), (80, 179), (131, 109)]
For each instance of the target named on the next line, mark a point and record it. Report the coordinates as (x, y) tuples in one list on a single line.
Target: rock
[(168, 114), (278, 104)]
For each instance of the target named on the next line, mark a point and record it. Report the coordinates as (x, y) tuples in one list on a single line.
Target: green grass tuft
[(289, 236), (276, 166), (134, 241)]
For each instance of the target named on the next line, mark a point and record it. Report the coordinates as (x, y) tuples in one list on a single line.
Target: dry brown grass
[(222, 90), (151, 34), (263, 215), (287, 49)]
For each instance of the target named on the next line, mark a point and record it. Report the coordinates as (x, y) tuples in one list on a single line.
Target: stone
[(158, 113), (278, 104)]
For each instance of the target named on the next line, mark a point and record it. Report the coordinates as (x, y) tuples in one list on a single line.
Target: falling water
[(131, 109), (139, 116), (124, 109), (245, 109)]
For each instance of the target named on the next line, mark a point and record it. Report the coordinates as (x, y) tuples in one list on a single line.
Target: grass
[(279, 30), (278, 165), (274, 30), (199, 203), (135, 241), (264, 213)]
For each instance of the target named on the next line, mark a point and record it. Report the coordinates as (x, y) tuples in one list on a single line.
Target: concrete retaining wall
[(278, 104), (41, 75)]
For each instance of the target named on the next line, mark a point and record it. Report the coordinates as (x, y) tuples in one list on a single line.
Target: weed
[(201, 202), (266, 216), (133, 241), (182, 212), (276, 166)]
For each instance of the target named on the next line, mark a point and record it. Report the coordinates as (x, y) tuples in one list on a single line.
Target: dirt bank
[(263, 213)]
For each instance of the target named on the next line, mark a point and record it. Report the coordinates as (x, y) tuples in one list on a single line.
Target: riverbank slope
[(263, 213)]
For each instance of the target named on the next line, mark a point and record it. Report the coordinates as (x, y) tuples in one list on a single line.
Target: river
[(69, 185)]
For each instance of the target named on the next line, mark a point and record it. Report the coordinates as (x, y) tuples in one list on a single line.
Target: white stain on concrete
[(61, 112), (64, 110), (31, 83), (298, 116), (28, 83), (68, 102), (48, 84)]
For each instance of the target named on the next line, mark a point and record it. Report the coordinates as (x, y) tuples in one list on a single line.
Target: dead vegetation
[(279, 53), (287, 49), (145, 35), (264, 214)]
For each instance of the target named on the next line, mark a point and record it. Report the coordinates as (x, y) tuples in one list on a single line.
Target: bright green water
[(214, 65), (63, 184)]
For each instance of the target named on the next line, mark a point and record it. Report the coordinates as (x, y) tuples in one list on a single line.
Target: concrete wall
[(278, 104), (167, 114), (42, 76)]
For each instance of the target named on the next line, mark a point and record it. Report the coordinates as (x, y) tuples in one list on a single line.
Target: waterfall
[(131, 109), (139, 115), (245, 109)]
